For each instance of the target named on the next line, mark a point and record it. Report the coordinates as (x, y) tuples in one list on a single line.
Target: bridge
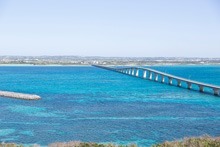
[(158, 76)]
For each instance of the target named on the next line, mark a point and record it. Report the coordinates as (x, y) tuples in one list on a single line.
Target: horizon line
[(104, 56)]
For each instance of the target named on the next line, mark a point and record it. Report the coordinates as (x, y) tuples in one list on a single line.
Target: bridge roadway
[(134, 71)]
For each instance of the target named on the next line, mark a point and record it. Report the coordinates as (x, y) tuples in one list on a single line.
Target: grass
[(17, 145), (205, 141), (69, 144), (86, 144)]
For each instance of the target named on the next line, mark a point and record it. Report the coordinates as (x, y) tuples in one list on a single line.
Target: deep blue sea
[(96, 105)]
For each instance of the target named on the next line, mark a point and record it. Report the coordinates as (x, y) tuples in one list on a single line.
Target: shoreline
[(39, 65), (80, 65)]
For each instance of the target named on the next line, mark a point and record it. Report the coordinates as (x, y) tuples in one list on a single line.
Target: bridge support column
[(170, 80), (129, 71), (132, 73), (201, 88), (156, 77), (144, 74), (162, 79), (178, 83), (189, 85), (150, 75), (216, 91), (137, 73)]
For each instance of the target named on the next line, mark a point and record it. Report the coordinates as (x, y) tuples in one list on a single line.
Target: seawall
[(19, 95)]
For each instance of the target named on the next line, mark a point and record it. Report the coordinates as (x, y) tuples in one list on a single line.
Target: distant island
[(89, 60)]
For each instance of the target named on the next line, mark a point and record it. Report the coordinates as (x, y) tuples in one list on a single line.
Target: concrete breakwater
[(19, 95)]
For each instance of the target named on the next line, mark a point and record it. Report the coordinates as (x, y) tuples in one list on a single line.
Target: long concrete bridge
[(158, 76)]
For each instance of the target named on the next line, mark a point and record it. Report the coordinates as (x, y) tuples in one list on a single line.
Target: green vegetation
[(86, 144), (69, 144), (204, 141), (10, 145)]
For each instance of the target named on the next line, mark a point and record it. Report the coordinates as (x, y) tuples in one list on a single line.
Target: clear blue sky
[(149, 28)]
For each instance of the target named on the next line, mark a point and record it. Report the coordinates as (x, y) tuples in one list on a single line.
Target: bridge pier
[(132, 73), (201, 88), (156, 77), (216, 91), (150, 75), (126, 71), (178, 83), (162, 79), (170, 80), (144, 74), (189, 85), (137, 72), (129, 71)]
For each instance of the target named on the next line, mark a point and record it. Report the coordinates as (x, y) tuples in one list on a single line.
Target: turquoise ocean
[(95, 105)]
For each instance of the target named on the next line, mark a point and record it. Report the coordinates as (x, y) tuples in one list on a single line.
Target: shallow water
[(91, 104)]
